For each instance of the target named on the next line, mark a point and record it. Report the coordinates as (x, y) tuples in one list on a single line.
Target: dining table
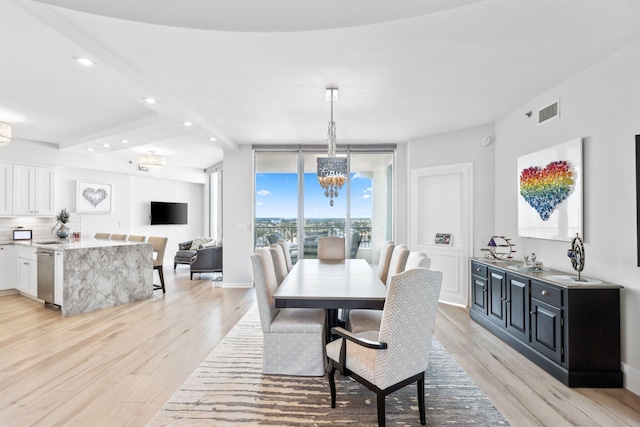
[(331, 285)]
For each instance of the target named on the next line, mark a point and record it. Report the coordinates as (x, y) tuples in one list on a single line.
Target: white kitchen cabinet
[(6, 189), (27, 269), (33, 190), (7, 267)]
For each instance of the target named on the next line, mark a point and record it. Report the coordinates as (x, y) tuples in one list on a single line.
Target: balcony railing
[(290, 233)]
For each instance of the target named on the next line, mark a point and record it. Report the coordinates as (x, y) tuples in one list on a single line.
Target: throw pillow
[(209, 244), (198, 242)]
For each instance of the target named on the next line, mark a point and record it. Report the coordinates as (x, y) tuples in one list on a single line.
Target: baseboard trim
[(233, 285)]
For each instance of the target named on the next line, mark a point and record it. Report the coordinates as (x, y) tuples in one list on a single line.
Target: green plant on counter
[(62, 217)]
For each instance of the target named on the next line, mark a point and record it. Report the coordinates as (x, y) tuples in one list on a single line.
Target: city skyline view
[(276, 197)]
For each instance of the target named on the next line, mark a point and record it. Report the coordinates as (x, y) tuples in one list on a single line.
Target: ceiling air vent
[(549, 112)]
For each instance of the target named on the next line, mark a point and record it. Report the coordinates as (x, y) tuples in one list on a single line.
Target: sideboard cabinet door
[(497, 297), (547, 330), (518, 306)]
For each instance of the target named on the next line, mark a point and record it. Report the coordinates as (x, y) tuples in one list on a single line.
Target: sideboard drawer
[(546, 293), (478, 269)]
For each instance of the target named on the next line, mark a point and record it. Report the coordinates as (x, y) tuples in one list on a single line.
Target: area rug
[(228, 389)]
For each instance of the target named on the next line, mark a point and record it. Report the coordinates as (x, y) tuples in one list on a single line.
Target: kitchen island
[(93, 274)]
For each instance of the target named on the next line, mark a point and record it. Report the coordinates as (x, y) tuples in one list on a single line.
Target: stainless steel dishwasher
[(46, 275)]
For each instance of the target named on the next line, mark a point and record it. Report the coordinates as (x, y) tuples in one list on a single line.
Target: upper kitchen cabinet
[(33, 190), (6, 188)]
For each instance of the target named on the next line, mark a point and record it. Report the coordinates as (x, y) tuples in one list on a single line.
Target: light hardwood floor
[(117, 367), (525, 394), (111, 367)]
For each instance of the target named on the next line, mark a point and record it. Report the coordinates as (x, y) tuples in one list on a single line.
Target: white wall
[(237, 215), (130, 206), (602, 106), (458, 147), (131, 190)]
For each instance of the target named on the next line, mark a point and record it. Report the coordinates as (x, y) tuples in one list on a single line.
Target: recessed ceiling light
[(86, 62), (187, 123), (106, 145), (213, 138), (89, 149), (124, 141), (149, 100)]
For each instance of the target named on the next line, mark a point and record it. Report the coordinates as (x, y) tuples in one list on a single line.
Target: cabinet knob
[(532, 313), (545, 293), (478, 269)]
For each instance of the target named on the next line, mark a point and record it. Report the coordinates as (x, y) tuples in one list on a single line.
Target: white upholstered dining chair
[(398, 354), (369, 320), (417, 259), (293, 338), (331, 248), (279, 263), (385, 260), (286, 249), (398, 261)]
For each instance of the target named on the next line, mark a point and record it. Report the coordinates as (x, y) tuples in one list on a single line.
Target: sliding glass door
[(290, 204), (371, 205), (276, 199), (320, 218)]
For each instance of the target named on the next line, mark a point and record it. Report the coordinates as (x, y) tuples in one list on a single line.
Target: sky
[(276, 197)]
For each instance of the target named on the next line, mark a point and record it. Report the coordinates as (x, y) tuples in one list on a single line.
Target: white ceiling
[(255, 72)]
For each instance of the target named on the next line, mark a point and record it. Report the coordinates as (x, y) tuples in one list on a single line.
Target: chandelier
[(151, 160), (5, 134), (332, 170)]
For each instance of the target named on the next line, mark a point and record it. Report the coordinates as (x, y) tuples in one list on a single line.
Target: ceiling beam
[(124, 77)]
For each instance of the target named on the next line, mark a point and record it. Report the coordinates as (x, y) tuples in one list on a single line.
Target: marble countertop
[(560, 278), (84, 243)]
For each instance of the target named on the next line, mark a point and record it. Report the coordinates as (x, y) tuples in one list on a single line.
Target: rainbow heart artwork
[(544, 189)]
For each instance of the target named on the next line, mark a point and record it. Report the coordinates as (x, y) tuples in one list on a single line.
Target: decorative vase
[(63, 231)]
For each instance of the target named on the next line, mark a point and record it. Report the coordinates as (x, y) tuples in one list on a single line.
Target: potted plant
[(62, 217)]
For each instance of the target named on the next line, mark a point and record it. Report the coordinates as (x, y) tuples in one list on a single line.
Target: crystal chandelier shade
[(332, 170)]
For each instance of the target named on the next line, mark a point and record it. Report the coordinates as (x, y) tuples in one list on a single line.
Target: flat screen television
[(163, 213)]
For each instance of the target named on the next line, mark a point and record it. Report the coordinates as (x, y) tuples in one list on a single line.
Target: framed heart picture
[(550, 192), (92, 197)]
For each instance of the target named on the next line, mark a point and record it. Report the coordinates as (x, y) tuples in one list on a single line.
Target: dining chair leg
[(332, 319), (381, 417), (161, 274), (423, 419), (332, 385)]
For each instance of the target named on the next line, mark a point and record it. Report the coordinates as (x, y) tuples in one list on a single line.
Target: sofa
[(203, 256)]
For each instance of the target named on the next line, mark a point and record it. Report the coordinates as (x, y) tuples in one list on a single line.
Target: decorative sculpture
[(576, 254), (499, 247)]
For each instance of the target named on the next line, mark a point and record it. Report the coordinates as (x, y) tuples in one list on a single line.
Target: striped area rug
[(228, 389)]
